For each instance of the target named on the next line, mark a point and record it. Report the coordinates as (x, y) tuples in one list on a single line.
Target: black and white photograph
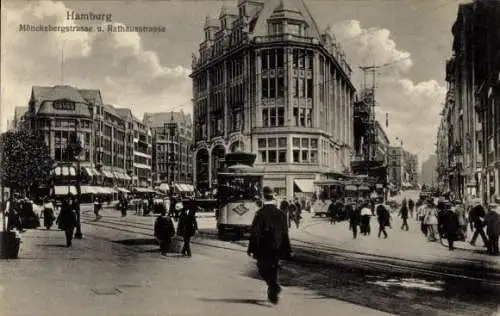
[(250, 157)]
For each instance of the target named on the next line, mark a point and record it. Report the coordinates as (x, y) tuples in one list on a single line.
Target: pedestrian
[(187, 227), (354, 213), (451, 224), (411, 206), (462, 220), (97, 208), (366, 213), (403, 213), (67, 219), (164, 231), (269, 242), (332, 212), (123, 205), (48, 214), (384, 218), (431, 221), (14, 221), (285, 208), (476, 218), (492, 220)]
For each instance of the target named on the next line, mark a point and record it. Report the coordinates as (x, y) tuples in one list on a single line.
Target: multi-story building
[(63, 113), (269, 82), (443, 153), (395, 166), (411, 171), (382, 144), (472, 101), (172, 146), (428, 176)]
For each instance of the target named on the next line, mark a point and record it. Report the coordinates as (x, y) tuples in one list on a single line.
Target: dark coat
[(404, 211), (475, 215), (67, 217), (187, 224), (354, 214), (451, 224), (164, 227), (269, 234), (383, 215)]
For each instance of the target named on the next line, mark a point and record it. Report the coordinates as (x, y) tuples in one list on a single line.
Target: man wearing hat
[(476, 217), (492, 220), (269, 242)]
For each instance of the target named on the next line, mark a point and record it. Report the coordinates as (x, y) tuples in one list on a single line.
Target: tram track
[(313, 250)]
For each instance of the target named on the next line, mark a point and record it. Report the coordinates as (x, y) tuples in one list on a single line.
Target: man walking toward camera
[(269, 242)]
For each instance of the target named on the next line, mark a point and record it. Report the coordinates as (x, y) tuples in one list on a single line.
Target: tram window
[(240, 188)]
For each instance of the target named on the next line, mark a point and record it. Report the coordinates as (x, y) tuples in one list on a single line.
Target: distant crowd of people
[(441, 218)]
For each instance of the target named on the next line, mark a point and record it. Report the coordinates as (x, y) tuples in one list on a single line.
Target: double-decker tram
[(239, 188)]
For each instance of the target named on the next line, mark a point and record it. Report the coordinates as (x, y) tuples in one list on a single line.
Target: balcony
[(285, 38)]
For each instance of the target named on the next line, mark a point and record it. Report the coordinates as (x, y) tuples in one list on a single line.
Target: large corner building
[(268, 81)]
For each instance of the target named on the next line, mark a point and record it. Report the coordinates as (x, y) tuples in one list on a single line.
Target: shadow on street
[(263, 303)]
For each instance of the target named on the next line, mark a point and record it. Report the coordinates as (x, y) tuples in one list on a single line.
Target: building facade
[(443, 153), (382, 144), (411, 168), (269, 82), (172, 146), (472, 104), (395, 166), (62, 113)]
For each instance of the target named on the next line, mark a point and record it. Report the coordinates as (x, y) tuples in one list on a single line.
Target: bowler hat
[(267, 192)]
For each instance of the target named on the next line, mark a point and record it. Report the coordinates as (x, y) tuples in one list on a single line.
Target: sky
[(148, 72)]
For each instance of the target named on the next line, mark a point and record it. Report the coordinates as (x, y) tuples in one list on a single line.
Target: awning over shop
[(121, 176), (87, 189), (64, 171), (107, 174), (123, 190), (351, 188), (364, 188), (64, 190), (91, 172), (143, 190), (305, 185), (190, 188), (164, 187)]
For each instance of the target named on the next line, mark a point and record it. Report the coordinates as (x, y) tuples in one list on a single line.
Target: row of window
[(274, 150)]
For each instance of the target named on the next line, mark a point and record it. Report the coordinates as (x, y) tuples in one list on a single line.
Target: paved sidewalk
[(408, 245)]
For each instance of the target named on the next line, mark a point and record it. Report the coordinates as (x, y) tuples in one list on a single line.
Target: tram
[(328, 190), (239, 189)]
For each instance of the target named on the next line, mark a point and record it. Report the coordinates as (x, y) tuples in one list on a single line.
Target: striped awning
[(122, 190), (64, 171), (91, 172), (108, 174), (164, 187), (64, 190)]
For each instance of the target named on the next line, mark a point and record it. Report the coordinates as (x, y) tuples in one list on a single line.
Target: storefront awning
[(91, 172), (305, 185), (351, 188), (364, 188), (164, 187), (64, 171), (107, 174), (64, 190), (143, 190), (87, 189), (123, 190)]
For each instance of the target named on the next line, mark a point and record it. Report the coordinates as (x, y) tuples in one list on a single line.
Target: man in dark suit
[(269, 242), (187, 226)]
